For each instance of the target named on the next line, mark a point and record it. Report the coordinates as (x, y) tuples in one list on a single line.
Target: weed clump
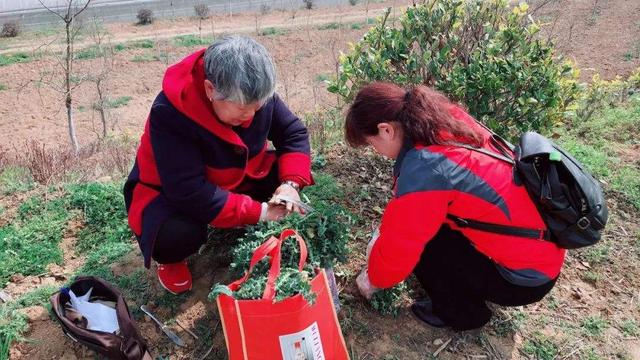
[(10, 29), (145, 17)]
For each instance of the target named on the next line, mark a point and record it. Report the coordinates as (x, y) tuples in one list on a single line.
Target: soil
[(29, 110)]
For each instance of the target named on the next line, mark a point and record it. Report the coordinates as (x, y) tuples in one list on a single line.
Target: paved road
[(126, 10)]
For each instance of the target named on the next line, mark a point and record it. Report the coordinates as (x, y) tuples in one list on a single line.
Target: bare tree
[(100, 77), (69, 18)]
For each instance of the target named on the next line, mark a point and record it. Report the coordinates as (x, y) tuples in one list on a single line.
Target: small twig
[(187, 330), (207, 353), (442, 347)]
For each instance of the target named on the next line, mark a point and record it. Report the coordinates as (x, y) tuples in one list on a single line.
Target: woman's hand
[(364, 285), (275, 212), (290, 192), (374, 237)]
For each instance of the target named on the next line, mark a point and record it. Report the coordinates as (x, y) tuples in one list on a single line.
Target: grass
[(594, 326), (150, 57), (540, 347), (115, 103), (14, 179), (330, 26), (272, 31), (31, 243), (608, 132), (630, 328), (192, 40), (3, 87), (356, 26), (14, 59)]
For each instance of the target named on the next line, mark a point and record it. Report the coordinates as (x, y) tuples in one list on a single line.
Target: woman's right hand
[(275, 212)]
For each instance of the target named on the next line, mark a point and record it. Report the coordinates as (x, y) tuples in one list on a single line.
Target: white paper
[(99, 317)]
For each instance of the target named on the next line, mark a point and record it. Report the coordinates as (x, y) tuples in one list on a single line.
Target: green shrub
[(3, 87), (191, 40), (14, 59), (540, 347), (114, 103), (272, 31), (480, 53), (594, 326), (389, 301), (325, 231), (104, 215)]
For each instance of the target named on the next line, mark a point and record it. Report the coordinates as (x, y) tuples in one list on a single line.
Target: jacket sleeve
[(181, 169), (409, 221), (291, 140)]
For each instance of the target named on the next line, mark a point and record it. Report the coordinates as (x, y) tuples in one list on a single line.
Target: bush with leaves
[(483, 54), (10, 29), (389, 301), (145, 17), (325, 231)]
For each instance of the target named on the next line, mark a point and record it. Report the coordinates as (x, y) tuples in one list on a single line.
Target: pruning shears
[(304, 206)]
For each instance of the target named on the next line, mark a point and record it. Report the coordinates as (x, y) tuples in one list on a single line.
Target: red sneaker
[(176, 278)]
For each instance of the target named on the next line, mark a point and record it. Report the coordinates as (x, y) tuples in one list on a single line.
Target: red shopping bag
[(291, 329)]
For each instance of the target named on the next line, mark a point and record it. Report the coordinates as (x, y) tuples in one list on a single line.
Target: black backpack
[(569, 199)]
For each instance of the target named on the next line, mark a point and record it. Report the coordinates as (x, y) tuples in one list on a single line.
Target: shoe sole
[(174, 293), (415, 316)]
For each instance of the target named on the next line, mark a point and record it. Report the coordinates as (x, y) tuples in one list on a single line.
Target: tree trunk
[(67, 84), (103, 115)]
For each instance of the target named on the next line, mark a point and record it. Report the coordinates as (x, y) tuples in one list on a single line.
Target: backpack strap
[(501, 229)]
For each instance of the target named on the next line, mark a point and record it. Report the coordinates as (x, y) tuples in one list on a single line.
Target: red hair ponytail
[(422, 112)]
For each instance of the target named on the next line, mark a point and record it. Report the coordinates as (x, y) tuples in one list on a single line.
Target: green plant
[(591, 276), (3, 87), (630, 328), (540, 347), (356, 26), (325, 231), (330, 26), (594, 326), (28, 245), (114, 103), (145, 17), (509, 323), (322, 77), (389, 301), (353, 2), (105, 218), (14, 59), (15, 179), (597, 254), (272, 31), (191, 40), (91, 52), (480, 53)]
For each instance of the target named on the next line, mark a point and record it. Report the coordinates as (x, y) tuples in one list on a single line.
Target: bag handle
[(262, 251), (274, 271)]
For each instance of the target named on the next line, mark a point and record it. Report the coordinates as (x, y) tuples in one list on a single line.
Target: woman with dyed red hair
[(439, 185)]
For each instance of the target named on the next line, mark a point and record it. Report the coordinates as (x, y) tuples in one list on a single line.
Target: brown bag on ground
[(126, 345)]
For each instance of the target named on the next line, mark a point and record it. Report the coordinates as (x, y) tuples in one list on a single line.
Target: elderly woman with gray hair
[(204, 158)]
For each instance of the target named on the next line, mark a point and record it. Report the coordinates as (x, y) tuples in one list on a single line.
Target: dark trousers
[(460, 280), (181, 236)]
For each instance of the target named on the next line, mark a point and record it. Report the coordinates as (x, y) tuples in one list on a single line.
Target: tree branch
[(51, 11)]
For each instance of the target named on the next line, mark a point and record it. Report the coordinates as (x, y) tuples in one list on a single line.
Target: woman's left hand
[(364, 285), (290, 192)]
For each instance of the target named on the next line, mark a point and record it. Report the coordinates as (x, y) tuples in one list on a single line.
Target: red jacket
[(189, 162), (433, 181)]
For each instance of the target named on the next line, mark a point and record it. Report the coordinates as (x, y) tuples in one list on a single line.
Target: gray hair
[(240, 69)]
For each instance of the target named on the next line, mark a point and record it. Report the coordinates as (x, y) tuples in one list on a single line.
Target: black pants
[(460, 280), (181, 236)]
